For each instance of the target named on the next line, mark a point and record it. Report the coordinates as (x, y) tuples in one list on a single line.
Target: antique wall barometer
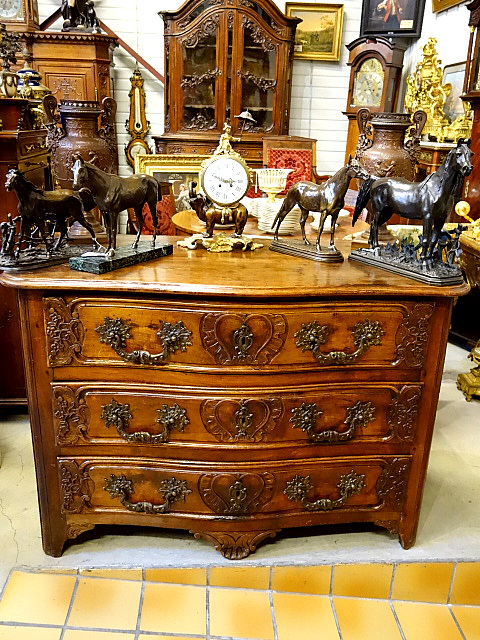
[(137, 124), (19, 15)]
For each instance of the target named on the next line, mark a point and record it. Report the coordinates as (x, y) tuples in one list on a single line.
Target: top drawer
[(128, 332)]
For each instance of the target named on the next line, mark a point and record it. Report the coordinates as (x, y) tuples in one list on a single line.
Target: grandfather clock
[(471, 94), (376, 69)]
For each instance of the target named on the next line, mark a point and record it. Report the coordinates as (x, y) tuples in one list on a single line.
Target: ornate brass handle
[(312, 335), (299, 487), (172, 490), (169, 418), (115, 332), (305, 417)]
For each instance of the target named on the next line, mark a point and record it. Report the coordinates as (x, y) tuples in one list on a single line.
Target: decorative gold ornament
[(219, 243), (425, 91), (462, 209)]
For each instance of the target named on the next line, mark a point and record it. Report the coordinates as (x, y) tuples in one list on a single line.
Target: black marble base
[(294, 247), (441, 274), (123, 257)]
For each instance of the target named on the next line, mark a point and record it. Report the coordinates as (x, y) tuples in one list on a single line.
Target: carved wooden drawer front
[(144, 415), (284, 488), (135, 334)]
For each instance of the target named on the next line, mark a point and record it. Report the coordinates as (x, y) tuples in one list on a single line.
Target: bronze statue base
[(123, 257), (441, 274), (38, 258), (293, 247)]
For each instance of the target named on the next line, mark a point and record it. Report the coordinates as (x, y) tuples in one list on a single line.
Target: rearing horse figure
[(328, 198), (430, 200), (113, 194)]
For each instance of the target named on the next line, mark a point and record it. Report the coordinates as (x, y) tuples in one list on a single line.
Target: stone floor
[(449, 527)]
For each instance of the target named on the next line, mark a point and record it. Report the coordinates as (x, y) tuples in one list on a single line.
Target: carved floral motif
[(75, 487), (247, 420), (72, 416), (412, 336), (235, 545), (236, 493), (392, 483), (64, 331), (402, 413)]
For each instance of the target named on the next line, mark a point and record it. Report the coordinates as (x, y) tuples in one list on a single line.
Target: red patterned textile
[(165, 211), (300, 160)]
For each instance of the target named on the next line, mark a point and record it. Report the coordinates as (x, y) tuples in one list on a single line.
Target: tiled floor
[(415, 601)]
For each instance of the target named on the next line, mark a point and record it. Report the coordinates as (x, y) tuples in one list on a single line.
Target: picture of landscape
[(319, 34)]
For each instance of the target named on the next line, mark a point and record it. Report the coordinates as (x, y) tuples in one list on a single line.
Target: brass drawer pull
[(169, 418), (305, 417), (171, 490), (299, 487), (115, 332), (312, 335)]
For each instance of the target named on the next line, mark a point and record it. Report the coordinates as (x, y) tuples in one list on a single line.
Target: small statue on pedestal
[(79, 14)]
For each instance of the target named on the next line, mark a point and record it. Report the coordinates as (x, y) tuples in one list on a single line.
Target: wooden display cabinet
[(74, 66), (23, 148), (221, 59)]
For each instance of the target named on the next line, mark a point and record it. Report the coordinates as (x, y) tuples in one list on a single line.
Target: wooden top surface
[(257, 274)]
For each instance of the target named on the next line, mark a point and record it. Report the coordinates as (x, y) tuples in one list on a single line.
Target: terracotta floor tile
[(177, 576), (120, 574), (301, 616), (241, 577), (423, 582), (315, 579), (422, 621), (469, 620), (162, 637), (106, 604), (240, 613), (366, 619), (466, 584), (362, 580), (42, 598), (75, 634), (172, 608), (13, 632)]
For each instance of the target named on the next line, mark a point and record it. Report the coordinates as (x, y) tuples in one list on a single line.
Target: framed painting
[(319, 35), (441, 5), (178, 169), (401, 18), (454, 74)]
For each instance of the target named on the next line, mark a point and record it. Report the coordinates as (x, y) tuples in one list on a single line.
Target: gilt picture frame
[(454, 74), (400, 18), (319, 35), (178, 169)]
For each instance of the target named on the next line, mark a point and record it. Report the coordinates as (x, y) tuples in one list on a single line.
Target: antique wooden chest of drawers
[(232, 395)]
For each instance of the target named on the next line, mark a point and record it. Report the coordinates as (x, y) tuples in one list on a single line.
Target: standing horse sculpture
[(430, 200), (328, 198), (113, 194), (38, 207)]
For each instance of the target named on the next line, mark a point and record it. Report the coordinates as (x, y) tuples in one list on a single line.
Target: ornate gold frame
[(441, 5), (169, 163), (296, 9)]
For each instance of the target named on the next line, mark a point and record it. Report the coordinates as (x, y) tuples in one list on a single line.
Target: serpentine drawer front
[(231, 395), (145, 334)]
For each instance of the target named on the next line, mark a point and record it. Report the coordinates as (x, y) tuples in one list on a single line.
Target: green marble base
[(123, 257)]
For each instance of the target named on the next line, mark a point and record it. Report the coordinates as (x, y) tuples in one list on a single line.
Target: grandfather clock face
[(368, 84), (11, 10)]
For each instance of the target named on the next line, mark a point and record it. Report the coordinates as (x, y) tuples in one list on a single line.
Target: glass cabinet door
[(199, 80), (257, 74)]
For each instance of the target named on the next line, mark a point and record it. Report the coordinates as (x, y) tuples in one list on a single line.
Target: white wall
[(319, 90)]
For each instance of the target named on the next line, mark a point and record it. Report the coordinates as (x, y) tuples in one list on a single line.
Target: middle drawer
[(142, 415)]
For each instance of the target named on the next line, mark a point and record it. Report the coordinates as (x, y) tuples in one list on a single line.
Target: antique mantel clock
[(376, 68), (225, 177), (19, 15)]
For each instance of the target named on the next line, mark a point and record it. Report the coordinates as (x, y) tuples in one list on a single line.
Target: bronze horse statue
[(113, 194), (212, 215), (430, 200), (328, 198), (38, 207)]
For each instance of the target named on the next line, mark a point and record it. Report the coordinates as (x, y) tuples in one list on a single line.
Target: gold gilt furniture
[(221, 59), (231, 395)]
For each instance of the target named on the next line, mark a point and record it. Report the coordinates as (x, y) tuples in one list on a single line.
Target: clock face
[(368, 85), (225, 180), (11, 9)]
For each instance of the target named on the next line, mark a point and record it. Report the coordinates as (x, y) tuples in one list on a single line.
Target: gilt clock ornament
[(19, 15)]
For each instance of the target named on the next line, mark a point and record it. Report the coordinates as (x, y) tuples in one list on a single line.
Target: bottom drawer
[(291, 492)]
